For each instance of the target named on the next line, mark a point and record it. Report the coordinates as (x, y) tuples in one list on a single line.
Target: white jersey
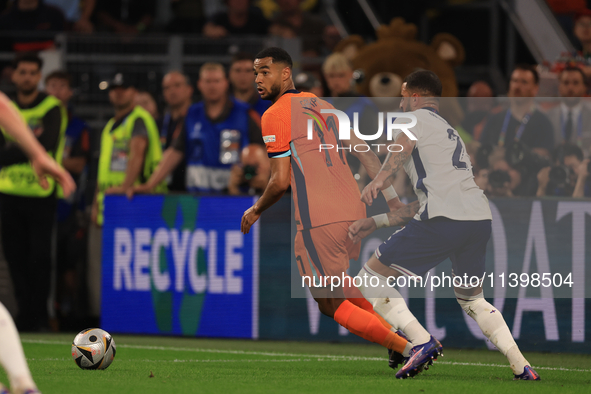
[(441, 173)]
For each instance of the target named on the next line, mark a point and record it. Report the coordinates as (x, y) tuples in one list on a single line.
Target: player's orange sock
[(353, 295), (364, 324)]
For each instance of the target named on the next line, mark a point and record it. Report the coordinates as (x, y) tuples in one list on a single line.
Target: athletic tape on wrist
[(389, 193), (381, 220)]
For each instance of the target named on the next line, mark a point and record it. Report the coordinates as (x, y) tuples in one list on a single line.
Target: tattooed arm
[(363, 227), (393, 163)]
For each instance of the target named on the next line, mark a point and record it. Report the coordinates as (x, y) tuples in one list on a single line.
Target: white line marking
[(302, 357)]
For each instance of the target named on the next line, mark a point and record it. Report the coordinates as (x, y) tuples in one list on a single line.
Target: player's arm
[(277, 137), (392, 164), (363, 227), (278, 184), (372, 165), (12, 122)]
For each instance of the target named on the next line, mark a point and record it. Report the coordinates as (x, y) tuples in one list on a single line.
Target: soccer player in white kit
[(12, 357), (453, 221)]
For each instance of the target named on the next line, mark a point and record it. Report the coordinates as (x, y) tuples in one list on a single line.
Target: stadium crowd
[(214, 145)]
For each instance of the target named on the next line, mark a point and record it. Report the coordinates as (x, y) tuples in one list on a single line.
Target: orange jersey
[(323, 186)]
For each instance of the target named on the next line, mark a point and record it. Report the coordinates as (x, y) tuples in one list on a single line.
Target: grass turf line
[(184, 365)]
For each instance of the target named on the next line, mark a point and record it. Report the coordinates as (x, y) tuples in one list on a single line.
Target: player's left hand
[(371, 191), (248, 219), (43, 165), (361, 229)]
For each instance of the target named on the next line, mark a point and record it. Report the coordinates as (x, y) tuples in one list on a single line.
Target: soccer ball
[(93, 348)]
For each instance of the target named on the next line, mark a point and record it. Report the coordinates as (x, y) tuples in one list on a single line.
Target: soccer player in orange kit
[(326, 196)]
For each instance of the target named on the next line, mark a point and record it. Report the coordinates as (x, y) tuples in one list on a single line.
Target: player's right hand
[(361, 229), (371, 191), (43, 165)]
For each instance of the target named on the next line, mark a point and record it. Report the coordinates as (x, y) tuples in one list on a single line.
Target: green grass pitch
[(146, 365)]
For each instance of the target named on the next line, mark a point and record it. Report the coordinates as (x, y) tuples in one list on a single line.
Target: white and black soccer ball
[(93, 348)]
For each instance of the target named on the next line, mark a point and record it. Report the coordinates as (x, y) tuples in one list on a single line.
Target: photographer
[(509, 171), (252, 174), (560, 179)]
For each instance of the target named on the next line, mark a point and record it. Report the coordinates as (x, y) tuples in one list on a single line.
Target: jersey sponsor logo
[(269, 138)]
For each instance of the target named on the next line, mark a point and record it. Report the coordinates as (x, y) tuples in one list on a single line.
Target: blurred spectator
[(77, 12), (582, 31), (571, 119), (270, 7), (307, 82), (240, 19), (479, 103), (130, 145), (178, 93), (27, 210), (214, 133), (125, 16), (292, 21), (188, 16), (560, 179), (522, 122), (338, 74), (32, 16), (252, 174), (564, 10), (71, 226), (144, 99), (241, 76), (76, 149), (583, 186)]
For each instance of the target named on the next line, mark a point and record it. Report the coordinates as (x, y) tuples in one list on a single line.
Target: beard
[(274, 92), (27, 91)]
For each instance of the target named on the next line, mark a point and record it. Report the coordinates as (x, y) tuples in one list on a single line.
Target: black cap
[(120, 80), (306, 80)]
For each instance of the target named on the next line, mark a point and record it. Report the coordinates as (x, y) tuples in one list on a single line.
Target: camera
[(249, 172), (482, 155), (559, 177), (523, 159), (498, 178)]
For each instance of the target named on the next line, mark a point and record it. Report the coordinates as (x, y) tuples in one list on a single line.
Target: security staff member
[(27, 210), (129, 151), (130, 146)]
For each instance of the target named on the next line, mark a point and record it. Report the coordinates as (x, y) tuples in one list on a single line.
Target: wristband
[(381, 220), (389, 193)]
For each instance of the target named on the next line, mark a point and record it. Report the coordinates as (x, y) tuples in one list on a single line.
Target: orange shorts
[(325, 250)]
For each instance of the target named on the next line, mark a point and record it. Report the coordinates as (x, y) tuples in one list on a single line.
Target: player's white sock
[(12, 356), (388, 302), (493, 326)]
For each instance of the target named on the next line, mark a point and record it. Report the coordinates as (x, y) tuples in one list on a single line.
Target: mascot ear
[(449, 48), (350, 46)]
